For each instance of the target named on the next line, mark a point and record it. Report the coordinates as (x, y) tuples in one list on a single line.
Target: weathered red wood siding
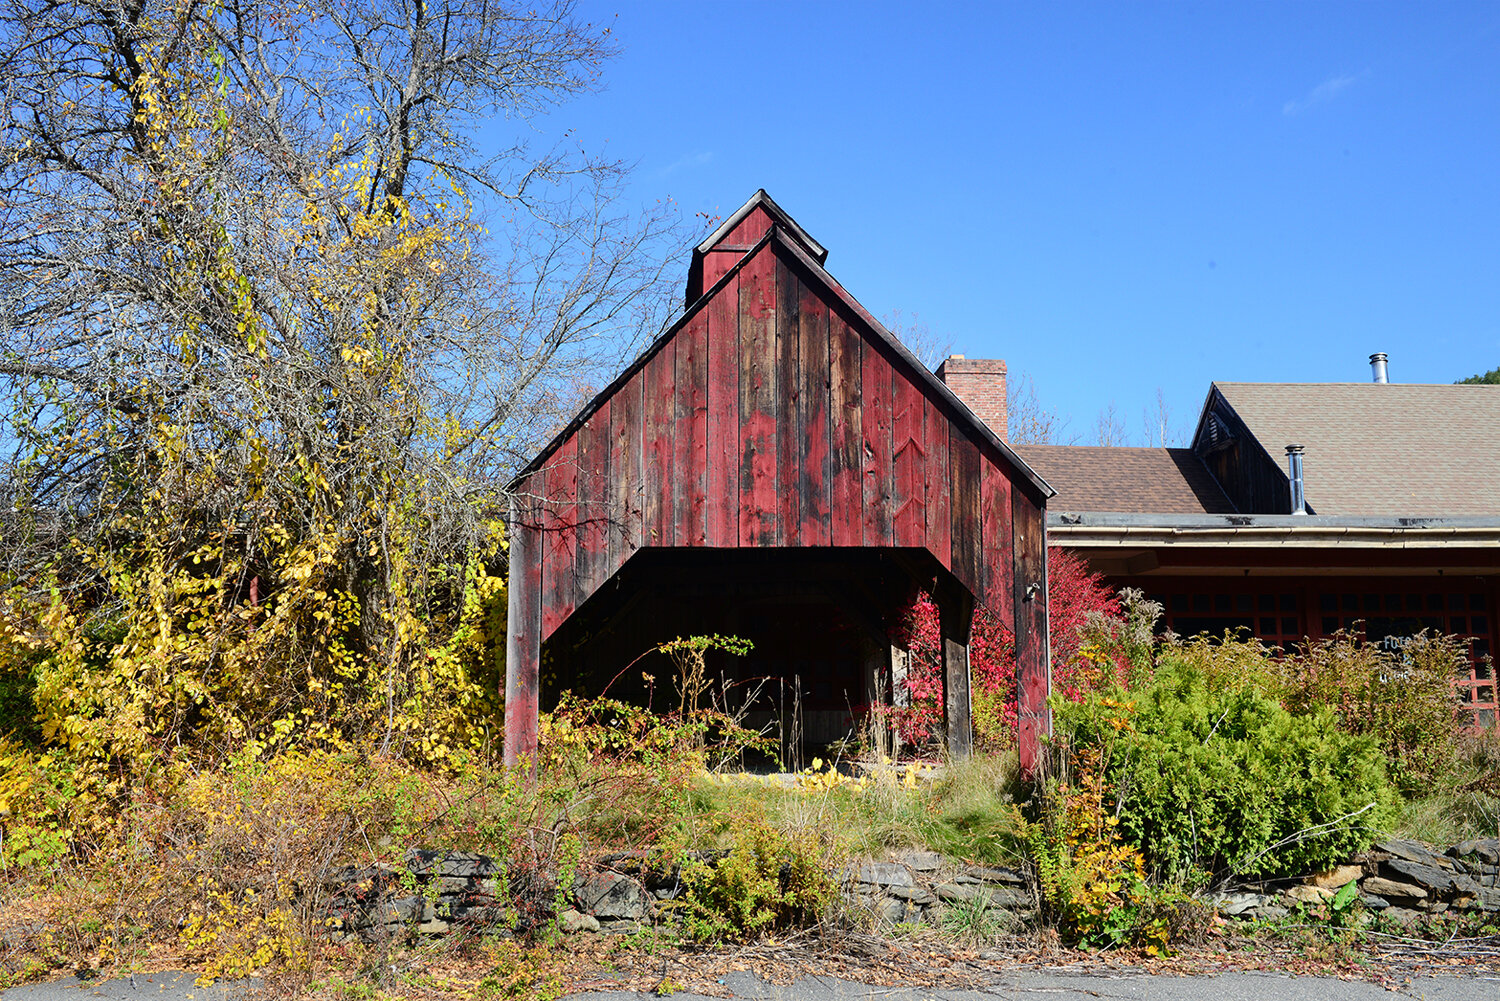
[(728, 251), (775, 418)]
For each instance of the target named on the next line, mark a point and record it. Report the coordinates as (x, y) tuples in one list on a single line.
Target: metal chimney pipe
[(1294, 474), (1377, 367)]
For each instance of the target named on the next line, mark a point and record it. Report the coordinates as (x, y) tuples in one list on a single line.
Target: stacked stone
[(1401, 879), (445, 889), (1406, 879), (437, 893), (920, 888)]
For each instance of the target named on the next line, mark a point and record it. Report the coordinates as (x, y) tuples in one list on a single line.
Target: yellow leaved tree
[(275, 329)]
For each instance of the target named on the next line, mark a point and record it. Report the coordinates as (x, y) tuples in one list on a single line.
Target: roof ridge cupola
[(737, 235)]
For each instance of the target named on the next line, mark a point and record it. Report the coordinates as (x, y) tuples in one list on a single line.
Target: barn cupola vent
[(1378, 370), (980, 384), (1294, 476), (739, 233)]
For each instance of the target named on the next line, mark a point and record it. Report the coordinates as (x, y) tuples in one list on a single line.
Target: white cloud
[(686, 163), (1321, 94)]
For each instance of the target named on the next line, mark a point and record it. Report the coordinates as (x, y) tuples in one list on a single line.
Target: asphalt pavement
[(1039, 985), (1131, 987)]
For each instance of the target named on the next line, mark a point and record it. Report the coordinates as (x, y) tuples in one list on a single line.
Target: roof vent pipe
[(1294, 474), (1377, 367)]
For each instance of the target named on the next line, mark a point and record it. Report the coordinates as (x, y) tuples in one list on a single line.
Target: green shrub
[(1219, 778), (770, 879)]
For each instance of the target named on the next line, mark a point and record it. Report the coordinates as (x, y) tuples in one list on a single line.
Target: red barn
[(779, 466)]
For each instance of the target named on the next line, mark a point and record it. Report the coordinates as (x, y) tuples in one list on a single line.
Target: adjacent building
[(1302, 509)]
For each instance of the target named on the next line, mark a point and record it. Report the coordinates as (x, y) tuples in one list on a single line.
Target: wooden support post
[(956, 617), (900, 662), (1032, 646), (523, 635)]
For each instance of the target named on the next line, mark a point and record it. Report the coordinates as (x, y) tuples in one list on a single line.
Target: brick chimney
[(980, 383)]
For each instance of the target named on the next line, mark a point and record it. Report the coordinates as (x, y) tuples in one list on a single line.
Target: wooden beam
[(1032, 649), (523, 636), (955, 618)]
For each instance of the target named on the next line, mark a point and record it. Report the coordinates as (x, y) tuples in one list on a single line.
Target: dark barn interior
[(820, 621)]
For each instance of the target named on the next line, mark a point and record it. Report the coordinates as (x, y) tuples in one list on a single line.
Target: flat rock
[(1001, 896), (610, 896), (960, 891), (1382, 887), (572, 922), (995, 874), (1414, 851), (1403, 915), (400, 910), (1335, 878), (461, 865), (619, 927), (922, 861), (1439, 880), (1306, 894), (1485, 850), (1234, 905), (917, 895), (884, 874), (1373, 902)]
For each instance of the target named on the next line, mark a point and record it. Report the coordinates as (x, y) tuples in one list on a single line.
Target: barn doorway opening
[(820, 620)]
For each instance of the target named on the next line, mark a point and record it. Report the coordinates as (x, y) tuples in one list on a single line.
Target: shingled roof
[(1126, 480), (1392, 449)]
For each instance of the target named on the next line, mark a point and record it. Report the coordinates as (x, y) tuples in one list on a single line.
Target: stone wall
[(435, 893), (1402, 880)]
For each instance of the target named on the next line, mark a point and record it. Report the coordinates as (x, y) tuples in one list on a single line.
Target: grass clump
[(1465, 803), (964, 810)]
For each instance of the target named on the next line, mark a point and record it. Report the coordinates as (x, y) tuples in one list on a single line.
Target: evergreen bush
[(1219, 779)]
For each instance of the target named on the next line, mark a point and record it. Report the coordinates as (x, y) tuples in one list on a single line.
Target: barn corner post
[(1033, 653), (523, 640), (955, 622)]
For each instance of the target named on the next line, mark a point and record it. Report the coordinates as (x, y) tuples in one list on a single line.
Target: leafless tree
[(918, 337), (1030, 423), (1160, 429), (1109, 427), (177, 214)]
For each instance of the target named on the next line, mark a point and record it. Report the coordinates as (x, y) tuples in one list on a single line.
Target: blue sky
[(1113, 197)]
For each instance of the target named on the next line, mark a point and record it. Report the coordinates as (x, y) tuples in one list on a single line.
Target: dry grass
[(965, 810), (1466, 803)]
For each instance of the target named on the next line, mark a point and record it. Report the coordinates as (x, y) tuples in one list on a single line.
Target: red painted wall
[(775, 414), (773, 417)]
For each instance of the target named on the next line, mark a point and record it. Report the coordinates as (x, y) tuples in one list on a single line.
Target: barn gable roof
[(793, 239)]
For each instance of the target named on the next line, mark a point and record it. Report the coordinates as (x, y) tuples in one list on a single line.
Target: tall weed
[(1404, 698)]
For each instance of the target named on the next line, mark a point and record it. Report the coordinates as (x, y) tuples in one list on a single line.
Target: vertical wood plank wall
[(770, 419), (774, 416)]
